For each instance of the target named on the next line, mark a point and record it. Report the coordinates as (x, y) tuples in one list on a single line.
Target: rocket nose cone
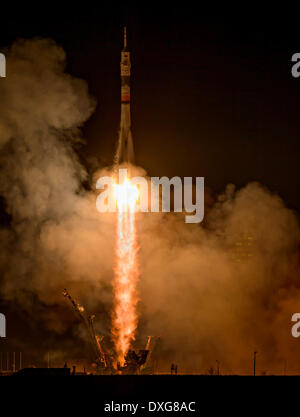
[(125, 37)]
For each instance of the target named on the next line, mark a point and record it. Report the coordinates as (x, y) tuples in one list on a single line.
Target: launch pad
[(103, 359)]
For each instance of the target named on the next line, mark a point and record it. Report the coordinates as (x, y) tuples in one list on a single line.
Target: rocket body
[(125, 151)]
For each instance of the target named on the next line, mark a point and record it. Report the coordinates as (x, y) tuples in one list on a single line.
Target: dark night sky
[(213, 94)]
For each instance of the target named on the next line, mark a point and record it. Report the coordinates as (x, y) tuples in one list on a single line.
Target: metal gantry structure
[(135, 361), (101, 357)]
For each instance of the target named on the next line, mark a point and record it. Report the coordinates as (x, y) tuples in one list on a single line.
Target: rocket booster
[(125, 151), (125, 71)]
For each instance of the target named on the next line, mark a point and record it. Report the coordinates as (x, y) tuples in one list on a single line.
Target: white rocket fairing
[(125, 151)]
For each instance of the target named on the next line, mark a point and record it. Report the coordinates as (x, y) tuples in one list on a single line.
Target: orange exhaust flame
[(124, 318)]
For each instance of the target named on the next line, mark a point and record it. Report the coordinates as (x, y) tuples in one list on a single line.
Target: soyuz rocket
[(125, 152)]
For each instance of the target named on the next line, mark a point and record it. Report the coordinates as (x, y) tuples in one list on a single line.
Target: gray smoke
[(213, 291)]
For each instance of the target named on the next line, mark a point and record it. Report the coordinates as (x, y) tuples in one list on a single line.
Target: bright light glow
[(126, 195)]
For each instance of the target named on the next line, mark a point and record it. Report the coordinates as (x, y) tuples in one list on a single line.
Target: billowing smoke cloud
[(215, 291), (55, 236)]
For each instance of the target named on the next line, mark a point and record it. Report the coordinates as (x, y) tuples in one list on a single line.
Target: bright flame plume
[(124, 318)]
